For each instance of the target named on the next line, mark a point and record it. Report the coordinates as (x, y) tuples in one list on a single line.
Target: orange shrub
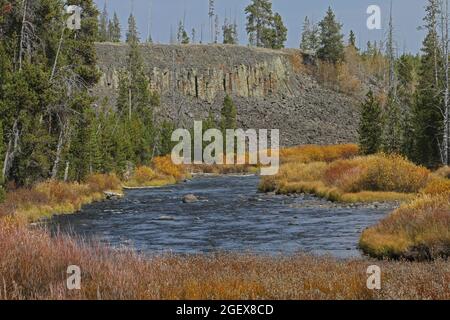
[(143, 174), (55, 191), (437, 186), (165, 166), (343, 174), (103, 182)]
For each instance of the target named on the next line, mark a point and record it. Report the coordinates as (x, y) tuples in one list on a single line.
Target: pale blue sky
[(352, 13)]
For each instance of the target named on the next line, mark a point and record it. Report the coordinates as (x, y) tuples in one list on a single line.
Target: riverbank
[(55, 197), (418, 230), (375, 178), (113, 274)]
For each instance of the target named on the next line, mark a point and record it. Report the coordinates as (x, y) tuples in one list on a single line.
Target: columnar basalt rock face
[(271, 89)]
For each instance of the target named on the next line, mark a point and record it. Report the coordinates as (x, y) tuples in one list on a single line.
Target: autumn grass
[(226, 168), (344, 177), (34, 266), (419, 230), (56, 197), (161, 172), (443, 172), (316, 153)]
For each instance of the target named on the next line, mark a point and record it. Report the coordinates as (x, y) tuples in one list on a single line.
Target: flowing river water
[(230, 216)]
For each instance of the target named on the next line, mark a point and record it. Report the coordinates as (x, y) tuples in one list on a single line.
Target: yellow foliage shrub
[(437, 186), (102, 182), (391, 173), (419, 230), (348, 179), (143, 175), (443, 172), (165, 166)]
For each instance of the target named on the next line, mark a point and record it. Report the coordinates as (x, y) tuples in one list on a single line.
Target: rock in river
[(190, 198), (111, 195)]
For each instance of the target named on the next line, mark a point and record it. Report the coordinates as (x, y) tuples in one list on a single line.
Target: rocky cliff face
[(271, 89)]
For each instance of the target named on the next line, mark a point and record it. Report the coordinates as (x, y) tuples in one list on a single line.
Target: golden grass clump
[(34, 266), (419, 230), (315, 153), (165, 166), (146, 177), (104, 182), (162, 172), (359, 179), (393, 173), (443, 172), (437, 186), (56, 197)]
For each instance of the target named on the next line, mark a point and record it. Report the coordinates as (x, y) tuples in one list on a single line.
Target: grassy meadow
[(34, 267)]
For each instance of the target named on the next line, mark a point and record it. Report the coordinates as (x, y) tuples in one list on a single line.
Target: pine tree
[(392, 135), (331, 39), (211, 15), (259, 21), (229, 33), (426, 116), (166, 144), (370, 127), (279, 33), (310, 41), (93, 143), (406, 70), (229, 114), (132, 33), (352, 40), (182, 35), (44, 89), (115, 31), (103, 34), (110, 30), (136, 104), (305, 44)]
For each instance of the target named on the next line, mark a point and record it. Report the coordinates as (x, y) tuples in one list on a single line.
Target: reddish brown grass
[(33, 266), (419, 230)]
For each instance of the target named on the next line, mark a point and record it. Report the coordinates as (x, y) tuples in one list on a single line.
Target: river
[(231, 216)]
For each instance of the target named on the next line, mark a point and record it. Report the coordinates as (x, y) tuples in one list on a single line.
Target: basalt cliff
[(271, 89)]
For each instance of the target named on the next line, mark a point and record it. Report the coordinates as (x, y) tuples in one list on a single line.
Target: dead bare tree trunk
[(57, 53), (22, 34), (58, 154), (13, 147), (66, 171), (446, 138)]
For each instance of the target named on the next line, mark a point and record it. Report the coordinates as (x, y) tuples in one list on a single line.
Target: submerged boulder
[(190, 198)]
